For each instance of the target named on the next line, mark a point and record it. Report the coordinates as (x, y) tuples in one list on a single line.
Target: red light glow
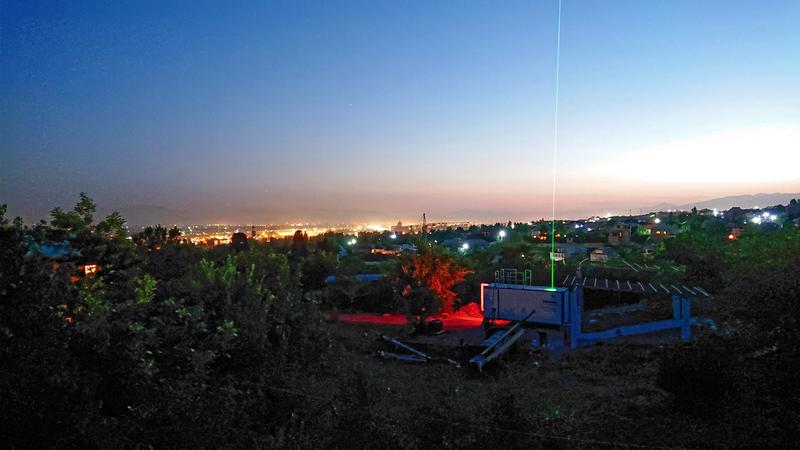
[(483, 285)]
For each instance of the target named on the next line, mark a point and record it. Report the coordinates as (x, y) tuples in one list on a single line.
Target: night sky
[(269, 111)]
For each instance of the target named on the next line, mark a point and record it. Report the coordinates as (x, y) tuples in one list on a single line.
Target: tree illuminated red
[(436, 271)]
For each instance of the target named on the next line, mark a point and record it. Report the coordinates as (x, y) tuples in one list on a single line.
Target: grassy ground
[(598, 397)]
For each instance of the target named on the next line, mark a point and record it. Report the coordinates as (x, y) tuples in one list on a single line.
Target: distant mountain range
[(742, 201)]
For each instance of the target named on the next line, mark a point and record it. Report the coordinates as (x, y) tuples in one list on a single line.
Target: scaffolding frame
[(513, 276)]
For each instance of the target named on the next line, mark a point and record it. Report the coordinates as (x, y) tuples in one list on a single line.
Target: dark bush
[(698, 375)]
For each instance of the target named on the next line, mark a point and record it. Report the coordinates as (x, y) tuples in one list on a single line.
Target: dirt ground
[(596, 397)]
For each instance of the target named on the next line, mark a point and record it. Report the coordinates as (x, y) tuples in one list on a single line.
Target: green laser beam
[(555, 154)]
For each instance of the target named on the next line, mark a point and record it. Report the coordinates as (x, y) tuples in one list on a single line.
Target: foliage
[(315, 268), (421, 303), (299, 244), (754, 359), (152, 238), (703, 255), (126, 358), (145, 289), (174, 233), (113, 227), (435, 270)]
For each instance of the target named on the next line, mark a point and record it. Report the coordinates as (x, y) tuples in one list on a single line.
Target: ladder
[(501, 345)]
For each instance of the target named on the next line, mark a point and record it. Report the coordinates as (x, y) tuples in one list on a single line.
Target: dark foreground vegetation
[(145, 341)]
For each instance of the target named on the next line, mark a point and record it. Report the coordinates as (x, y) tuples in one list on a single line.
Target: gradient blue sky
[(263, 111)]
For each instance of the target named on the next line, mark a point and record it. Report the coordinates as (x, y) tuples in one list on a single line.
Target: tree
[(3, 220), (299, 244), (79, 219), (113, 226), (152, 237), (421, 303), (543, 230), (435, 270), (85, 208), (561, 229), (315, 268), (239, 242), (174, 233)]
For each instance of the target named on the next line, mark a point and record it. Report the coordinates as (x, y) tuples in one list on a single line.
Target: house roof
[(358, 277)]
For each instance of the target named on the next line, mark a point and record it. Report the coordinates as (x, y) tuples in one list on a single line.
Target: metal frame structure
[(569, 301), (513, 276)]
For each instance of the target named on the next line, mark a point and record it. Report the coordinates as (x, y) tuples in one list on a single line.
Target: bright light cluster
[(764, 217)]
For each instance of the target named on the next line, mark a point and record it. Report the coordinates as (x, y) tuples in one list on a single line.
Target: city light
[(502, 234), (756, 220), (657, 220), (393, 236), (465, 246), (773, 217)]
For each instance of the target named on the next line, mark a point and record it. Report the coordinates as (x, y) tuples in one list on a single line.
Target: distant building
[(662, 231), (619, 234), (573, 249), (598, 255), (537, 235), (362, 277)]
